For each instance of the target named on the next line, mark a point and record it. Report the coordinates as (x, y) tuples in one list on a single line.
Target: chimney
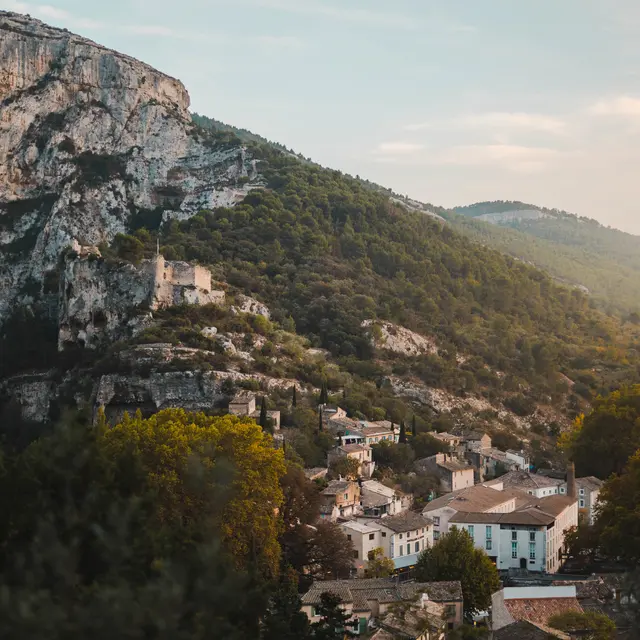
[(571, 481)]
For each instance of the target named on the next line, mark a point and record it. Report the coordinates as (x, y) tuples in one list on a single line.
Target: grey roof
[(383, 590), (525, 630), (373, 499), (406, 521), (525, 480), (529, 517), (337, 486), (590, 482), (477, 498), (474, 435)]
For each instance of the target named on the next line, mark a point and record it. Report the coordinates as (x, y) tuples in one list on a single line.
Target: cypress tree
[(320, 427), (294, 399), (414, 427), (403, 433), (324, 393), (263, 413)]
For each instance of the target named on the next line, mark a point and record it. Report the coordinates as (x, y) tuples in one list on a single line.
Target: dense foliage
[(590, 624), (602, 442), (455, 557), (574, 249)]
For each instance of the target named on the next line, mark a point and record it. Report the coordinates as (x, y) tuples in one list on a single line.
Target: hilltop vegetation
[(574, 249)]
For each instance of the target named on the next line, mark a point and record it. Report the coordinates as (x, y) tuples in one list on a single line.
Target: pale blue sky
[(448, 101)]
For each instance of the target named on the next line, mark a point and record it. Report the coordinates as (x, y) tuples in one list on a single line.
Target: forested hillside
[(574, 249), (326, 253)]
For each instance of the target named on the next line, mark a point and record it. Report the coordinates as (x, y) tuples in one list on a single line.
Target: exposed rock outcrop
[(392, 337), (89, 138)]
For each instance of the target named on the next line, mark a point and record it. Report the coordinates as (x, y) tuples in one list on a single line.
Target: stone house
[(423, 620), (376, 432), (531, 604), (450, 440), (359, 452), (454, 474), (401, 537), (531, 537), (490, 463), (378, 500), (588, 491), (476, 499), (243, 403), (370, 600), (341, 499), (477, 441), (521, 459)]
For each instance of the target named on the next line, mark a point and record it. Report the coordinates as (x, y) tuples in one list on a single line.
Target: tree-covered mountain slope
[(574, 249), (340, 262)]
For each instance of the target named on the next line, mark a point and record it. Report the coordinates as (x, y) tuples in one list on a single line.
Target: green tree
[(618, 518), (378, 566), (403, 433), (397, 457), (345, 467), (602, 442), (284, 619), (454, 557), (294, 397), (589, 624), (324, 393), (264, 418), (320, 423), (414, 427), (426, 445), (335, 623)]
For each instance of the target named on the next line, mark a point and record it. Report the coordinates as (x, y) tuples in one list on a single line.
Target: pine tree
[(294, 398), (263, 414), (335, 623), (284, 619), (320, 425), (403, 433)]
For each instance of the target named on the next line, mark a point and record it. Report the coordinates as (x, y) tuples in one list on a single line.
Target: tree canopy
[(455, 557)]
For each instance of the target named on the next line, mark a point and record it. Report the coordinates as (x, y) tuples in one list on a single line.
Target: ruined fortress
[(102, 301)]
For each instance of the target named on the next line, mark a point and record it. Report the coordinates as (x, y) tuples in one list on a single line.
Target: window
[(346, 496), (400, 536), (436, 535), (372, 536), (400, 550), (384, 534), (313, 612), (417, 547), (348, 536), (450, 611), (355, 554), (532, 551), (514, 535), (581, 492), (562, 490), (488, 545), (489, 533), (436, 521), (582, 503), (422, 529), (471, 529), (514, 549), (532, 536)]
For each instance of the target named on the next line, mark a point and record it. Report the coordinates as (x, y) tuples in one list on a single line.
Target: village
[(514, 515)]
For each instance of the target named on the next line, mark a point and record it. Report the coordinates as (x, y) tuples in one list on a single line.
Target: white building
[(401, 537), (527, 482), (588, 491), (477, 499), (520, 458), (530, 538), (378, 500)]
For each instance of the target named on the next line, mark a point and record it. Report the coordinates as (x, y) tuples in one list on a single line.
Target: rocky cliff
[(90, 138)]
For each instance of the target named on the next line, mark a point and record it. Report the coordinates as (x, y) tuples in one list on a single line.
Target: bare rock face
[(89, 138), (392, 337)]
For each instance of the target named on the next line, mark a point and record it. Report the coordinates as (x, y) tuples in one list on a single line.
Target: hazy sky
[(448, 101)]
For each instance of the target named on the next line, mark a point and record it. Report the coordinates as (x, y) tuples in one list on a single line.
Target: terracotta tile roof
[(554, 505), (528, 517), (471, 499), (383, 590), (375, 431), (525, 630), (539, 610), (402, 522)]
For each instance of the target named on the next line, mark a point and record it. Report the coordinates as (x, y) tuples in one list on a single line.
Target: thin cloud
[(150, 30), (48, 12), (398, 148), (622, 106), (519, 159), (498, 120)]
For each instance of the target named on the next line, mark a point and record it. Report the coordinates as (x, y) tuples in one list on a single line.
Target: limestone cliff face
[(89, 138)]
